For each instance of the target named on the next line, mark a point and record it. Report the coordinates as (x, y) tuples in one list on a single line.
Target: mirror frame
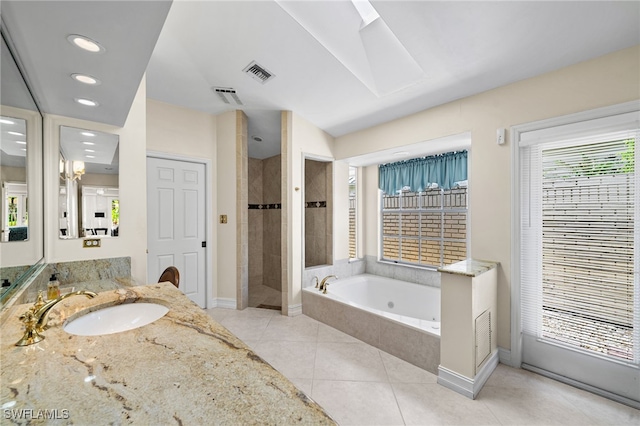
[(13, 253)]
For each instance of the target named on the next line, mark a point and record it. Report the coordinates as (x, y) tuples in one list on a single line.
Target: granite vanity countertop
[(469, 267), (184, 368)]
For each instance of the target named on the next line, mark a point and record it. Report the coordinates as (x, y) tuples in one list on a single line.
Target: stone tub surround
[(417, 347), (370, 265), (184, 368), (401, 272), (342, 268)]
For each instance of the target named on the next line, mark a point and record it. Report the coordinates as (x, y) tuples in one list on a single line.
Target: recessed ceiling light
[(88, 134), (90, 156), (5, 121), (87, 102), (88, 143), (21, 142), (86, 79), (89, 150), (16, 133), (85, 43)]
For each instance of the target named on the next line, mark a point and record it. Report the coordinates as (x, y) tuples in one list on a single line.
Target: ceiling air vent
[(258, 72), (227, 94)]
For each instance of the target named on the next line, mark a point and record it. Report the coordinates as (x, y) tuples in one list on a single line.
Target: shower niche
[(318, 217)]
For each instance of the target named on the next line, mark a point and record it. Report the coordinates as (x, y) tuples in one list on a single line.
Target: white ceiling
[(328, 68), (98, 150)]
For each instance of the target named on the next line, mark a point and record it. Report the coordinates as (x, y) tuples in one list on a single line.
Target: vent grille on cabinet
[(483, 338), (258, 72)]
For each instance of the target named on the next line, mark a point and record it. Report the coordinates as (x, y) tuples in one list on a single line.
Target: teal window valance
[(421, 173)]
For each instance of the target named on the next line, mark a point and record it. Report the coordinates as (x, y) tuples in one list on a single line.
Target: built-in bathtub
[(398, 317)]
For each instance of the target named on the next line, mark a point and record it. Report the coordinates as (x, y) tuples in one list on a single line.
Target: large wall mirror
[(21, 216), (89, 203)]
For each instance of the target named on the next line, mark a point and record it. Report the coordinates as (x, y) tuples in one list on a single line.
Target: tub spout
[(324, 283)]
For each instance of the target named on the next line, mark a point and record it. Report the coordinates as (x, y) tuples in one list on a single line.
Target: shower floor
[(265, 296)]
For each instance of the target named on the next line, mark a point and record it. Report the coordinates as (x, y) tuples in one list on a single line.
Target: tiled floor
[(361, 385)]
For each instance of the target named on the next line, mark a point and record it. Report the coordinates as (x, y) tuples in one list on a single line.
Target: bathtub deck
[(417, 347)]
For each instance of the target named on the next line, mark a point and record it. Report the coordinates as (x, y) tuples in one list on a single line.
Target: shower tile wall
[(272, 242), (256, 223), (318, 199), (265, 223)]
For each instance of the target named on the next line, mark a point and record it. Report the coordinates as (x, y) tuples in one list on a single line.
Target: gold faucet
[(35, 319), (324, 283), (315, 277)]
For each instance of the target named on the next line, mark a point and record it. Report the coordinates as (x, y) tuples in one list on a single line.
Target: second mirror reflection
[(89, 196)]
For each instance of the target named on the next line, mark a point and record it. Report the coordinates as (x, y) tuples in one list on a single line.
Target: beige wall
[(226, 187), (13, 174), (302, 139), (132, 241), (604, 81), (176, 130)]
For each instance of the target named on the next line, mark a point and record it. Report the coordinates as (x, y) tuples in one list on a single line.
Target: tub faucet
[(35, 319), (324, 283)]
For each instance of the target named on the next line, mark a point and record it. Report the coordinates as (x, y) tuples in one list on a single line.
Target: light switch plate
[(91, 243)]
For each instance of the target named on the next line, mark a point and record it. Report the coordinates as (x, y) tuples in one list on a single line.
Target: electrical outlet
[(91, 243), (223, 218)]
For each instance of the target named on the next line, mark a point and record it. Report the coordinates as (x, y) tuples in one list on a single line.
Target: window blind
[(580, 232)]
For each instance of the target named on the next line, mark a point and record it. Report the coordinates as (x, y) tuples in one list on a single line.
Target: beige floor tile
[(432, 404), (349, 361), (293, 359), (248, 326), (400, 371), (601, 411), (330, 334), (530, 407), (357, 403), (509, 377), (305, 385), (291, 329)]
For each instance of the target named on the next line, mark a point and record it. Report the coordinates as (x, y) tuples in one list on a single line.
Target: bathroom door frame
[(208, 252)]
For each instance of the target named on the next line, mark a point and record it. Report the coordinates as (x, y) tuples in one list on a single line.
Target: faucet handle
[(39, 302), (325, 288), (315, 277)]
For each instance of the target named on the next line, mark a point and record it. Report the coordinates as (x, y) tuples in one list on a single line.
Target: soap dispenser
[(53, 288)]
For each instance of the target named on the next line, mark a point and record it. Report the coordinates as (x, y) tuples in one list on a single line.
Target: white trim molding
[(224, 303), (505, 357), (294, 310), (464, 385)]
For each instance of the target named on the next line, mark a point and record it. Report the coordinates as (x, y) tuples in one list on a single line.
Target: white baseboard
[(221, 302), (464, 385), (505, 356), (294, 310)]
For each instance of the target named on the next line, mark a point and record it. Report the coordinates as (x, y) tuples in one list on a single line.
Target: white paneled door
[(176, 223)]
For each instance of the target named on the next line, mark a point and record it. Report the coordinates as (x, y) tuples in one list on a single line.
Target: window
[(583, 214), (425, 222), (425, 228)]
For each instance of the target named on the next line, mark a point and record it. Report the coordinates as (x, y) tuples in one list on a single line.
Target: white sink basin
[(115, 319)]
